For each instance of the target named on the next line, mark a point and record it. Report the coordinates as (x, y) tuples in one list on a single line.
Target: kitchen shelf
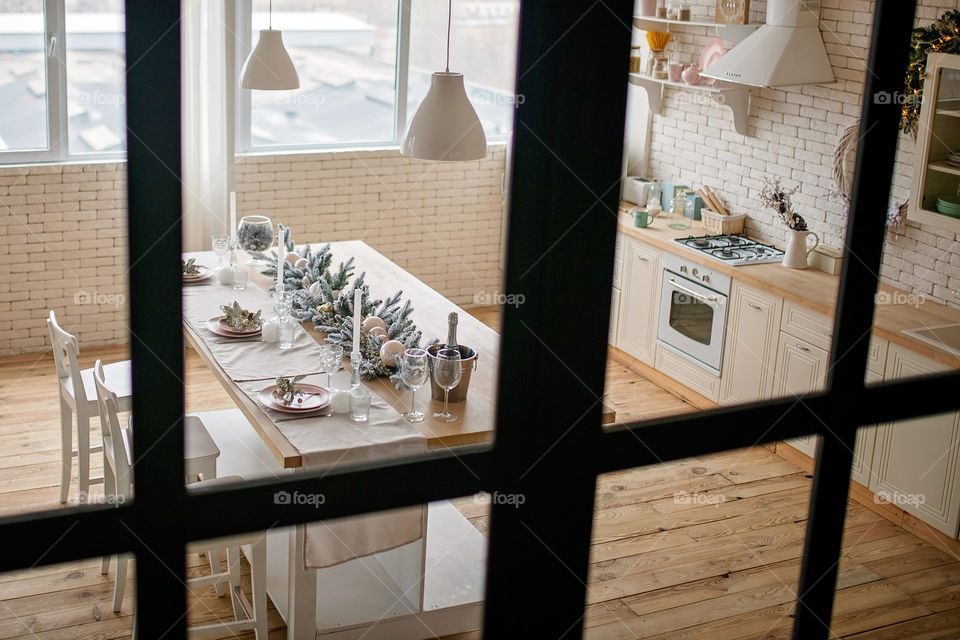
[(730, 32), (737, 98), (944, 167)]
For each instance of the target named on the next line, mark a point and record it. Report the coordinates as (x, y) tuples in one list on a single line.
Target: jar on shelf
[(683, 11), (636, 52), (659, 71), (661, 8)]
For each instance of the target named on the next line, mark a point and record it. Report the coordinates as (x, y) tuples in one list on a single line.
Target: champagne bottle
[(452, 320)]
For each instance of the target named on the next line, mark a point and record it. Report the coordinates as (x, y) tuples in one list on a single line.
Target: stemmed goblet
[(221, 243), (413, 373), (447, 372)]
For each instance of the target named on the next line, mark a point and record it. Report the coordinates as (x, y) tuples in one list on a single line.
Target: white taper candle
[(281, 251), (356, 320)]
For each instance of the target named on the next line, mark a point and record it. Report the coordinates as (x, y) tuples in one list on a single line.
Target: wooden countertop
[(811, 288)]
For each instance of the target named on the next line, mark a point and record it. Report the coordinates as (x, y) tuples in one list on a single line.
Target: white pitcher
[(797, 251)]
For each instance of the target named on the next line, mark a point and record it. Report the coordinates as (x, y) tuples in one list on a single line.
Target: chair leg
[(120, 582), (105, 565), (213, 555), (83, 457), (258, 577), (66, 448), (233, 567)]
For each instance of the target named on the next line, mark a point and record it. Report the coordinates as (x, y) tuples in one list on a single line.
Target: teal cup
[(642, 218)]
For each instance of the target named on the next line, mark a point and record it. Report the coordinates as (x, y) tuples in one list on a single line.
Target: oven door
[(692, 319)]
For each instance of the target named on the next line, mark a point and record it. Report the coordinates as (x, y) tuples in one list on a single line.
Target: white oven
[(693, 311)]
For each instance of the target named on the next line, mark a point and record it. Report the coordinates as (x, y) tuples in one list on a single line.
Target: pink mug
[(675, 72)]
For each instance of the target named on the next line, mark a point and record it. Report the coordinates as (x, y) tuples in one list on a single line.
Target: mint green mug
[(642, 218)]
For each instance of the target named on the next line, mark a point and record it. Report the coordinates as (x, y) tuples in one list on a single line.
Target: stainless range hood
[(786, 51)]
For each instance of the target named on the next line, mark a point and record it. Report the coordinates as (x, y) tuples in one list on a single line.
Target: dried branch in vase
[(775, 196)]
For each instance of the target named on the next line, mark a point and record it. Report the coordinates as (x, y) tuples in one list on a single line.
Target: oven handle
[(714, 300)]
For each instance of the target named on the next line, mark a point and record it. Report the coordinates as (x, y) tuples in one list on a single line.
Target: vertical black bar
[(568, 137), (156, 341), (893, 21)]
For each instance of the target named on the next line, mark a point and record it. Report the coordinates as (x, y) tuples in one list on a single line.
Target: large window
[(61, 80)]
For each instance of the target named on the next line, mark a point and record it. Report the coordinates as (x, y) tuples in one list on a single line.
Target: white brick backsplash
[(792, 133), (63, 229)]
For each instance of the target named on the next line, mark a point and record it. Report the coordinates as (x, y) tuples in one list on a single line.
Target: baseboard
[(863, 496), (662, 380)]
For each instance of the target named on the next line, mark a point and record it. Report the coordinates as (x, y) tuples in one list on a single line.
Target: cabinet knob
[(802, 347), (754, 305), (642, 259), (828, 333)]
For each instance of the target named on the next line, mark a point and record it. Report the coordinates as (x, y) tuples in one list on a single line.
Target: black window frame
[(549, 444)]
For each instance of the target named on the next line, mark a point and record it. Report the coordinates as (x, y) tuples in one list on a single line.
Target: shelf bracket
[(653, 88), (738, 101)]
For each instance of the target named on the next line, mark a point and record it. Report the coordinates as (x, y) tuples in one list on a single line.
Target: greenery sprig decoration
[(943, 36), (288, 389), (241, 319), (190, 267)]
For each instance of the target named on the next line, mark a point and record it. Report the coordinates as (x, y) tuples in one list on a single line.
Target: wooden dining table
[(444, 570)]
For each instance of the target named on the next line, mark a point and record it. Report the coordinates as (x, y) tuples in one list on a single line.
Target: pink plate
[(220, 327), (711, 53), (205, 272), (314, 399)]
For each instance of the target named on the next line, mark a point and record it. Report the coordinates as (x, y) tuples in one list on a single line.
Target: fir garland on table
[(325, 298), (943, 36)]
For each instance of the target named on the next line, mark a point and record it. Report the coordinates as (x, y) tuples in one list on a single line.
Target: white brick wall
[(792, 133), (63, 240)]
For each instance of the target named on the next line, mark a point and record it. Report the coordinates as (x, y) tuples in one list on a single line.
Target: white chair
[(118, 485), (78, 397)]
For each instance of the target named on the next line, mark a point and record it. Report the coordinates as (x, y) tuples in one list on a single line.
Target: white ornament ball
[(291, 257), (270, 331), (389, 352), (374, 321), (301, 263), (314, 289), (225, 276)]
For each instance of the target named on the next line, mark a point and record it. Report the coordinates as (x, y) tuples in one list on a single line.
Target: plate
[(315, 398), (205, 272), (219, 326), (711, 52)]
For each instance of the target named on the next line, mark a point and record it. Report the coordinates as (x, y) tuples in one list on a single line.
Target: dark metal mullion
[(156, 341), (568, 138), (890, 39)]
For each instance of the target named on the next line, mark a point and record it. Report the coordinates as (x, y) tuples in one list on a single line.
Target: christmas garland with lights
[(943, 36)]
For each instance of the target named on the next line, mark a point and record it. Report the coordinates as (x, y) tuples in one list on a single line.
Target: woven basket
[(716, 223)]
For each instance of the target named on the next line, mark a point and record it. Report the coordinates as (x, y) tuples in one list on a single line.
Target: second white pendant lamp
[(269, 65), (445, 126)]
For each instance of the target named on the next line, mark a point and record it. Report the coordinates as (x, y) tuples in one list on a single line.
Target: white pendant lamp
[(445, 126), (269, 65)]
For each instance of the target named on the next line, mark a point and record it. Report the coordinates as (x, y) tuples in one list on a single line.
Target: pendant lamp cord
[(270, 16), (449, 19)]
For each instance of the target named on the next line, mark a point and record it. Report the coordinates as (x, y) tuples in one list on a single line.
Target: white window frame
[(55, 64)]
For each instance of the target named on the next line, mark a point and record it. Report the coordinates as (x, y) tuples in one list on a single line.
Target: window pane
[(96, 87), (483, 47), (345, 55), (23, 76)]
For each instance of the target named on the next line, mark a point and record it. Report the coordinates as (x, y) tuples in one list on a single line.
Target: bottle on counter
[(452, 321)]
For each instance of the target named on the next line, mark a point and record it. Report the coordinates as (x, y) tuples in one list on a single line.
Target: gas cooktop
[(733, 249)]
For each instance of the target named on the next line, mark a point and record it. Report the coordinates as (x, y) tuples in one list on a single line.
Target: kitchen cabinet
[(916, 463), (615, 293), (639, 300), (801, 368), (750, 347), (938, 134)]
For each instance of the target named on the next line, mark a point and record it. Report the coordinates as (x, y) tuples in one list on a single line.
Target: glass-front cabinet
[(935, 194)]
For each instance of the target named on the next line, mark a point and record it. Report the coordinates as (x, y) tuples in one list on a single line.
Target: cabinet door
[(750, 347), (801, 368), (866, 436), (915, 462), (639, 301), (614, 316)]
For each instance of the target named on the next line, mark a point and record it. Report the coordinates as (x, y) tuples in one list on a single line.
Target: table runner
[(323, 442)]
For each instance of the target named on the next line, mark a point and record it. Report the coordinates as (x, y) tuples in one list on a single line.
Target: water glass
[(221, 243), (359, 404), (447, 372), (413, 373), (239, 277), (285, 332), (324, 362), (336, 361)]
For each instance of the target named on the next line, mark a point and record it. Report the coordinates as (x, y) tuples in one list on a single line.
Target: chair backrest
[(116, 440), (66, 350)]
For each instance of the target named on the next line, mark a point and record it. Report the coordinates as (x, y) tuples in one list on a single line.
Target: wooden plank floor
[(701, 548)]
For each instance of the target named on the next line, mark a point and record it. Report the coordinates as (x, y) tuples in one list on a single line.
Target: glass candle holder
[(255, 234)]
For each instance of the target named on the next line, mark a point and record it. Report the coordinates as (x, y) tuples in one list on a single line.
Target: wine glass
[(336, 361), (221, 243), (413, 373), (324, 363), (446, 373)]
